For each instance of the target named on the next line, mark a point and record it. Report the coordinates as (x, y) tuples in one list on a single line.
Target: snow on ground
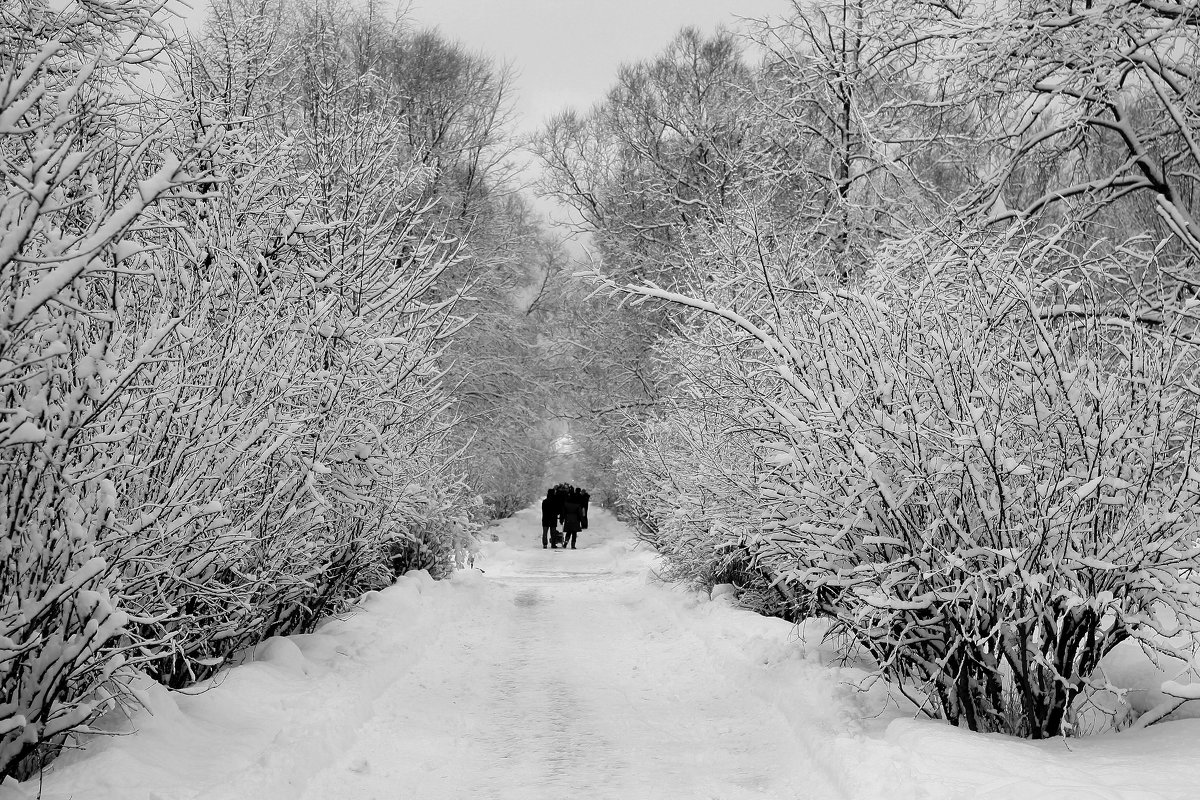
[(575, 674)]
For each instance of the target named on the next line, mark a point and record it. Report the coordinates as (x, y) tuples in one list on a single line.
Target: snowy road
[(563, 685)]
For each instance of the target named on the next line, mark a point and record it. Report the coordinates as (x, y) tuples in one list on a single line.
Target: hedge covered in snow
[(980, 468), (220, 411)]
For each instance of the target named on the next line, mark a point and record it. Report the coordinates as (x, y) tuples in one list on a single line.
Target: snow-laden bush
[(990, 480), (302, 406), (689, 486), (78, 178), (982, 472), (219, 393), (436, 531)]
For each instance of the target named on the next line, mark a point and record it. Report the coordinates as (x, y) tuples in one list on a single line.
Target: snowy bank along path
[(572, 674)]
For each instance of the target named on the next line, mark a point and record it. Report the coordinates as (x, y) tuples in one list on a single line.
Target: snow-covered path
[(563, 685), (571, 675)]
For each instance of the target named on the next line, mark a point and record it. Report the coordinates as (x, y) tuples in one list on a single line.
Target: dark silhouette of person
[(583, 497), (550, 511), (571, 512)]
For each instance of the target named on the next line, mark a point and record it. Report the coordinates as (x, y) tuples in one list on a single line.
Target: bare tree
[(659, 158), (859, 140), (1102, 95)]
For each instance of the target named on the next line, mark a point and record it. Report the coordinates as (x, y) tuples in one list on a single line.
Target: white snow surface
[(575, 674)]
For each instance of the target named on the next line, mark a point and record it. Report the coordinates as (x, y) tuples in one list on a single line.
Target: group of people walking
[(568, 504)]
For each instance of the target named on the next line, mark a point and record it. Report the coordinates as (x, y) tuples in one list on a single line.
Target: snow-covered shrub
[(690, 488), (990, 476), (215, 391), (79, 176), (304, 401), (980, 470), (435, 530)]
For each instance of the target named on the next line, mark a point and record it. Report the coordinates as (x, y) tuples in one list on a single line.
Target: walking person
[(550, 512), (571, 513), (584, 497)]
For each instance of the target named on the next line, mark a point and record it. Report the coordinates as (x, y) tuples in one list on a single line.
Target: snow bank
[(269, 723)]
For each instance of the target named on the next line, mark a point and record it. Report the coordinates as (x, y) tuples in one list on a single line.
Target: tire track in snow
[(536, 720)]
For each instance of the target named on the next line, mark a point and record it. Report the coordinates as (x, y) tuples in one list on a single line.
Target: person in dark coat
[(550, 511), (571, 513), (583, 502)]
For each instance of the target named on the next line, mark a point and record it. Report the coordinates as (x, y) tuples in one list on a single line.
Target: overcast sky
[(567, 51)]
